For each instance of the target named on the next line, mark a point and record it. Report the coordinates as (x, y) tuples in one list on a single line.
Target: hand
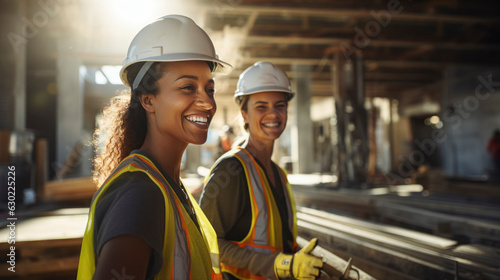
[(302, 265)]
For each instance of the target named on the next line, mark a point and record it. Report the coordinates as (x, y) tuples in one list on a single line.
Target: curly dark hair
[(123, 126)]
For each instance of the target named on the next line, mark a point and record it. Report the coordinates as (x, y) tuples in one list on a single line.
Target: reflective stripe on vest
[(188, 244), (265, 235)]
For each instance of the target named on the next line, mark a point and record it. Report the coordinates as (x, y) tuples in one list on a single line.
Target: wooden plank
[(486, 253), (438, 222), (42, 166), (45, 269), (401, 240), (42, 248), (357, 248), (51, 228), (69, 189), (377, 271), (360, 204), (434, 255), (46, 247), (401, 233), (4, 146), (451, 207)]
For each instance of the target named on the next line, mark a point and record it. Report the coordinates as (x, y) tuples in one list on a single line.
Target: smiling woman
[(182, 108), (142, 213), (254, 216)]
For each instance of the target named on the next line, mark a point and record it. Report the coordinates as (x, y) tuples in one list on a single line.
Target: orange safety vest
[(188, 253), (265, 235)]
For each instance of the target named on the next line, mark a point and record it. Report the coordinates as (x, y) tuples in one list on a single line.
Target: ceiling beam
[(346, 14), (370, 63), (284, 40)]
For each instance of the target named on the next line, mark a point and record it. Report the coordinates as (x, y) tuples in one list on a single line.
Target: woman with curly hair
[(143, 224)]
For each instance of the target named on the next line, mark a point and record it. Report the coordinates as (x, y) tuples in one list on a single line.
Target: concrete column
[(352, 126), (302, 126), (13, 67), (20, 89), (69, 103)]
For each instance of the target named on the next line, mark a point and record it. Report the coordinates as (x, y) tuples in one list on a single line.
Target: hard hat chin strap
[(142, 72)]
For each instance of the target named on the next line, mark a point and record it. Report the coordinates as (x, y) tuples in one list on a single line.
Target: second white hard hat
[(171, 38), (261, 77)]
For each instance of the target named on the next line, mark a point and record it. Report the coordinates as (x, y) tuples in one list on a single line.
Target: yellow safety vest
[(265, 234), (187, 252)]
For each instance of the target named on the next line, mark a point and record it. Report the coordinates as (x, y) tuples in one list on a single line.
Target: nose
[(274, 112), (205, 101)]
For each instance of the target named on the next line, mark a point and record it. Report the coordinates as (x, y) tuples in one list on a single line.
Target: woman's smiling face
[(266, 115), (184, 104)]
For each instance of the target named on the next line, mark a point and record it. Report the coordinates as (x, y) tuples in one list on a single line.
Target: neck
[(262, 150), (168, 153)]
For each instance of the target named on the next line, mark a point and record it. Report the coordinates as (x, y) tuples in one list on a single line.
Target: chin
[(198, 140), (276, 135)]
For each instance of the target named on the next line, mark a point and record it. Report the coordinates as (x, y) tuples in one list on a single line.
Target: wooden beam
[(292, 40), (70, 189), (440, 223), (347, 14), (374, 64), (425, 250)]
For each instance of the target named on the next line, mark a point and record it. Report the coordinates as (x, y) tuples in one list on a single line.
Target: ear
[(244, 114), (147, 101)]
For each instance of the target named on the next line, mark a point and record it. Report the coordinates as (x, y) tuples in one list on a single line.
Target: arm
[(123, 257), (129, 229), (226, 203), (258, 263)]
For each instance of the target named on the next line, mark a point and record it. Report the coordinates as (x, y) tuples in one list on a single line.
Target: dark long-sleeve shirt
[(226, 203)]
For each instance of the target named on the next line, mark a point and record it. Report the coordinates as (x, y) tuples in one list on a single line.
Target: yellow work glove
[(301, 265)]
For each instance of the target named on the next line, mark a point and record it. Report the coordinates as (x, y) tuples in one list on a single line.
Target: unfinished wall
[(12, 66), (470, 112)]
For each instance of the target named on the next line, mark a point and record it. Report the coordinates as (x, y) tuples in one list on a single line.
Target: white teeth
[(271, 124), (198, 120)]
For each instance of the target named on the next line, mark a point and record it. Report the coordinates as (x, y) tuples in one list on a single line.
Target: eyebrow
[(193, 78), (187, 77), (265, 102)]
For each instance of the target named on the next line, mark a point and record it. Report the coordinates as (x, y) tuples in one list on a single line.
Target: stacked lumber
[(473, 219), (84, 188), (47, 245), (69, 189), (440, 223), (325, 198), (388, 252)]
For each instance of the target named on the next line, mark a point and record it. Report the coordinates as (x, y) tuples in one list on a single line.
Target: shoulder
[(131, 192), (132, 184), (226, 180), (226, 171), (229, 164), (132, 205)]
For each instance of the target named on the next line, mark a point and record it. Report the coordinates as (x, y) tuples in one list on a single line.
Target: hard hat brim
[(222, 67), (290, 94)]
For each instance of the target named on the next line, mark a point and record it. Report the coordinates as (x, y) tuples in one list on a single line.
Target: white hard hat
[(170, 38), (260, 77)]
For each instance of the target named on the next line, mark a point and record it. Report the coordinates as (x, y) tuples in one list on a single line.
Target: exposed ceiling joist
[(370, 63), (347, 14), (373, 43)]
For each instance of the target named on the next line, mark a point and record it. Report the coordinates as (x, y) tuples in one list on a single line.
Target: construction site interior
[(388, 145)]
